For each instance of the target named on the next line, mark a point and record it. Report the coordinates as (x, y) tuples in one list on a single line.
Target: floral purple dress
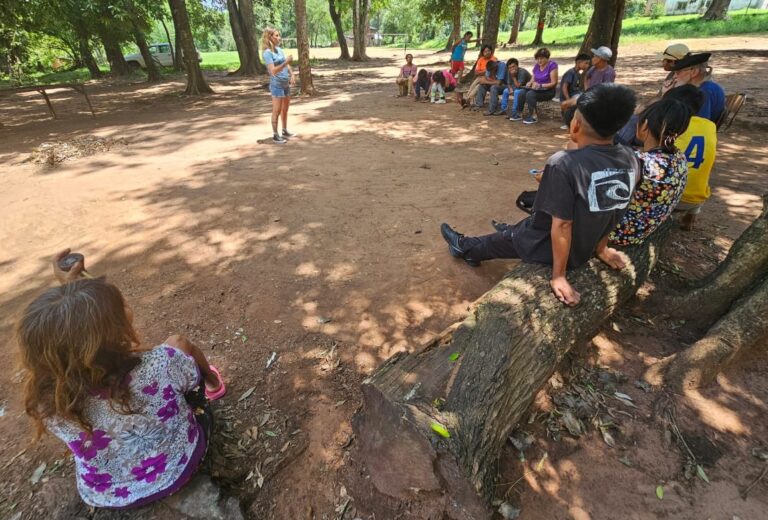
[(129, 458), (656, 195)]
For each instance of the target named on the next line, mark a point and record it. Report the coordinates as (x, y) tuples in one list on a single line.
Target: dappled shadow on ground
[(330, 240)]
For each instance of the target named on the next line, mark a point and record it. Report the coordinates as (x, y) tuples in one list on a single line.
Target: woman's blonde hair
[(266, 38), (76, 340)]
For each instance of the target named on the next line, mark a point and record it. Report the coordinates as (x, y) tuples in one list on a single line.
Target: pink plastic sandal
[(219, 392)]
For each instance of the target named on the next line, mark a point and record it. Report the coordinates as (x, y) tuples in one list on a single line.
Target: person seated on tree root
[(571, 86), (486, 56), (582, 196), (517, 78), (541, 88), (664, 172), (492, 83)]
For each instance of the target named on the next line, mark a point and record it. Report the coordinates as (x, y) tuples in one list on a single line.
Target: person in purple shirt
[(542, 87), (601, 70)]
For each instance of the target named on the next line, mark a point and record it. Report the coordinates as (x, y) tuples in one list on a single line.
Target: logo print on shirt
[(609, 189)]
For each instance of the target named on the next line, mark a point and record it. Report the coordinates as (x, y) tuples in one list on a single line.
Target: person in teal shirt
[(458, 51)]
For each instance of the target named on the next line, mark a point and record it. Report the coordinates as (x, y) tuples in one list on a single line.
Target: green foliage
[(657, 11)]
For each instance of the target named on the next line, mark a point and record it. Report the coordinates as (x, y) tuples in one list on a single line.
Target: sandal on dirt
[(219, 392)]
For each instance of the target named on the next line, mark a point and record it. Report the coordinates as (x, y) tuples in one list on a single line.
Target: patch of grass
[(223, 60), (48, 78)]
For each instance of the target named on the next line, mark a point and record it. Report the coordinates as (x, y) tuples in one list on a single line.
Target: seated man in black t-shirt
[(582, 196)]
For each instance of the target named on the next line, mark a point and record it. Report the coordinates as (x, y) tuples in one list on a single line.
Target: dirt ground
[(325, 254)]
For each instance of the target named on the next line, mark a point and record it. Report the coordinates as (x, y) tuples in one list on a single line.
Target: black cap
[(690, 59)]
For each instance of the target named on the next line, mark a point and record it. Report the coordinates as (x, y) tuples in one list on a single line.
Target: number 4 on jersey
[(695, 151)]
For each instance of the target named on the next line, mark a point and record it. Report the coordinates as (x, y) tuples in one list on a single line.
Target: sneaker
[(515, 116), (488, 113), (440, 102), (432, 100), (499, 113), (529, 120), (288, 135), (278, 139), (564, 127)]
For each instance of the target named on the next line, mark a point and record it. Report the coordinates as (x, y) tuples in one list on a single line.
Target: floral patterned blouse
[(130, 457), (656, 195)]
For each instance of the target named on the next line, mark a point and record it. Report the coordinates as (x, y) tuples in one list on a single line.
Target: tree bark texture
[(717, 10), (360, 10), (491, 22), (84, 46), (743, 328), (117, 64), (153, 73), (243, 24), (305, 70), (477, 379), (196, 83), (455, 24), (515, 30), (340, 36), (539, 38), (605, 27), (747, 262)]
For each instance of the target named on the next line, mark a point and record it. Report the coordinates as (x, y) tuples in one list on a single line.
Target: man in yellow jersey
[(699, 144)]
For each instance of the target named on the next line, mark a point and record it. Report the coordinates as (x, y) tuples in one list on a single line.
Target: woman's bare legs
[(286, 102), (277, 106)]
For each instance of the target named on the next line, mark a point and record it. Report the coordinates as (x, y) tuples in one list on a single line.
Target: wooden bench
[(42, 89)]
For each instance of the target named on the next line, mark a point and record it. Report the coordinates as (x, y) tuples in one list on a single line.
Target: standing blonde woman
[(281, 79)]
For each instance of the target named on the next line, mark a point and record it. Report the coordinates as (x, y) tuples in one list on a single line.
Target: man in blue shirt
[(495, 81), (694, 70)]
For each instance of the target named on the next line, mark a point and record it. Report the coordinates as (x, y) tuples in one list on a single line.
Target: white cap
[(603, 52)]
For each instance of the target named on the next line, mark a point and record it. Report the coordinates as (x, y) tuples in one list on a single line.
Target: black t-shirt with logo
[(590, 187)]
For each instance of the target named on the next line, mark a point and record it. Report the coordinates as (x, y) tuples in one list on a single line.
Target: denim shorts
[(279, 89)]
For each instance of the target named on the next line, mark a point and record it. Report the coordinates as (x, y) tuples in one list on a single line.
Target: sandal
[(219, 392)]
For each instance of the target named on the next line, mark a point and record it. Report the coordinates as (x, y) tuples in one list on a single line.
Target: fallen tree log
[(740, 330), (476, 380), (712, 296)]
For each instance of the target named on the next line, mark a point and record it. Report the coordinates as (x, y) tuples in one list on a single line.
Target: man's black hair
[(511, 61), (583, 57), (691, 95), (491, 67), (486, 46), (470, 33), (667, 119), (607, 107)]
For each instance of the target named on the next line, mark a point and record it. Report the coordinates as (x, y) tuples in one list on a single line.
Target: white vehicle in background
[(161, 53)]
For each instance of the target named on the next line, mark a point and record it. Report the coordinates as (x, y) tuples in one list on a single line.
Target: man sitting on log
[(583, 193)]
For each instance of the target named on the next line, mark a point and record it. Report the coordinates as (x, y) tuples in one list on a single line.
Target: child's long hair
[(76, 339), (667, 119), (438, 78), (422, 76), (266, 38)]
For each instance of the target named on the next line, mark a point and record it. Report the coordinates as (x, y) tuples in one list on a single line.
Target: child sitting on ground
[(442, 82), (664, 171), (582, 196), (122, 411), (422, 82), (405, 78)]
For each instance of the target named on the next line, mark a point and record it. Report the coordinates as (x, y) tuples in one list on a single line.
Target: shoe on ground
[(687, 222), (440, 102), (529, 120), (288, 135), (498, 113), (500, 226), (564, 127), (487, 113), (453, 238), (515, 116), (279, 139)]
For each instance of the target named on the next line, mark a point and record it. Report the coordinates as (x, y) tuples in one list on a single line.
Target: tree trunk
[(305, 71), (153, 74), (605, 27), (747, 262), (249, 35), (360, 10), (179, 59), (86, 54), (176, 65), (336, 17), (455, 23), (237, 34), (196, 84), (491, 22), (516, 24), (743, 328), (717, 10), (117, 64), (538, 39), (476, 380)]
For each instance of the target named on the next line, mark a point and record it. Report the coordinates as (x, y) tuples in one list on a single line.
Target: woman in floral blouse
[(665, 171), (124, 413)]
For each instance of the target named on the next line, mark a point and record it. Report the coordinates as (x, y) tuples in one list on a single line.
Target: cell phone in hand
[(66, 263)]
